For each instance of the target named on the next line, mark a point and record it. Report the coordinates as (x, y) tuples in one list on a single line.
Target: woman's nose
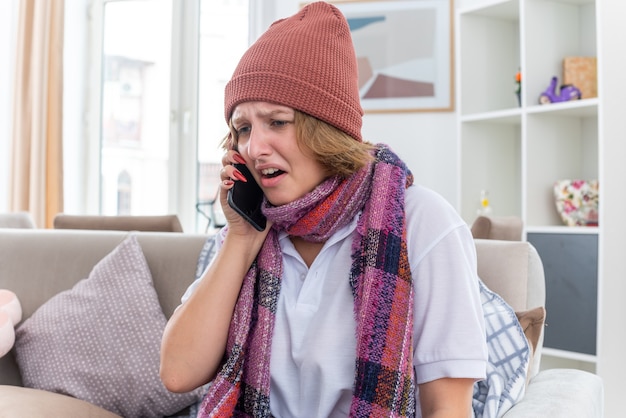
[(258, 144)]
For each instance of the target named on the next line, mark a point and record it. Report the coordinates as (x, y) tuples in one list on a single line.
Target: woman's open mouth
[(271, 172)]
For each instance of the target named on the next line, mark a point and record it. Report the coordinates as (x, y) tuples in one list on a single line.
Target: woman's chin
[(280, 199), (277, 201)]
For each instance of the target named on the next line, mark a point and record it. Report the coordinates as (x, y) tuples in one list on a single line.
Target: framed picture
[(404, 50)]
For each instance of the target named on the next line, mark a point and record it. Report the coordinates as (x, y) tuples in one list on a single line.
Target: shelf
[(577, 2), (517, 151), (498, 9), (507, 116), (490, 160), (562, 230), (574, 108), (489, 48), (554, 30)]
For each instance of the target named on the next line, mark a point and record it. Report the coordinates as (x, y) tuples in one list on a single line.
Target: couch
[(514, 270), (16, 220), (38, 264), (507, 228), (154, 223), (41, 266)]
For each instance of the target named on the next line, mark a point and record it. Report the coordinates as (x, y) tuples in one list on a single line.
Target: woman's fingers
[(230, 172), (232, 157)]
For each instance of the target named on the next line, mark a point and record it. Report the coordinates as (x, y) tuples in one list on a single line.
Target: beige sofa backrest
[(16, 220), (157, 223), (39, 263), (514, 270)]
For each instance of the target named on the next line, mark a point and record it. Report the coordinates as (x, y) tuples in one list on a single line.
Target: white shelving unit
[(516, 151)]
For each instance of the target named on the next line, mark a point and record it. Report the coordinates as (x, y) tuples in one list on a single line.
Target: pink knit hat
[(306, 62)]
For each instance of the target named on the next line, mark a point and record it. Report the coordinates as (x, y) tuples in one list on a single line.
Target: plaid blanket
[(509, 357)]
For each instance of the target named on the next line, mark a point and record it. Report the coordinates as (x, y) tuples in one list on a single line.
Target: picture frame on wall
[(405, 53)]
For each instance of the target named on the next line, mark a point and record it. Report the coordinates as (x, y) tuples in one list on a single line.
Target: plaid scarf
[(381, 283)]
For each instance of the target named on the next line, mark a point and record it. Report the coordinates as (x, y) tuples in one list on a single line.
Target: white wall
[(426, 141)]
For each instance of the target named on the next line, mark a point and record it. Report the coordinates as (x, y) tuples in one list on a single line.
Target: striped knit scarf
[(381, 283)]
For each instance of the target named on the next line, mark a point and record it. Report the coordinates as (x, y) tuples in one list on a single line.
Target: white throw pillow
[(100, 340)]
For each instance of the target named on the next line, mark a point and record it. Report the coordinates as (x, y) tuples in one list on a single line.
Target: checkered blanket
[(509, 357)]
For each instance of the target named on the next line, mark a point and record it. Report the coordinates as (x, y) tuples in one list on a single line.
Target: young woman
[(360, 298)]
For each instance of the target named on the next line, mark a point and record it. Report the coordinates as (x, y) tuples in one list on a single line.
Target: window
[(223, 39), (162, 66), (135, 110), (124, 190)]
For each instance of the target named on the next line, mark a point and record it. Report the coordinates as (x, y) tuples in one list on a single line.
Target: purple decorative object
[(565, 93)]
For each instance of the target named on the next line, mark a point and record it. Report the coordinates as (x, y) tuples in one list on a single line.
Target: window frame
[(183, 140), (183, 111)]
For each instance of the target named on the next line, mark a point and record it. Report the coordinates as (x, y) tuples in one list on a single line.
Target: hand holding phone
[(246, 199)]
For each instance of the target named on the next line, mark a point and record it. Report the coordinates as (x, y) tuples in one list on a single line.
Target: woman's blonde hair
[(339, 153), (334, 149)]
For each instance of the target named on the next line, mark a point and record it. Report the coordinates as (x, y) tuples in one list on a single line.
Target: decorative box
[(582, 73)]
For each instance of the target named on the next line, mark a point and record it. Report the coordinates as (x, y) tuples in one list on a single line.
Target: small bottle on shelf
[(484, 209)]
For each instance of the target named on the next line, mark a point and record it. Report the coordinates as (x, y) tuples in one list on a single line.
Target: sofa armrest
[(18, 402), (561, 393)]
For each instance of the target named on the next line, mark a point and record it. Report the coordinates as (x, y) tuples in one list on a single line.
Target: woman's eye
[(243, 130), (279, 123)]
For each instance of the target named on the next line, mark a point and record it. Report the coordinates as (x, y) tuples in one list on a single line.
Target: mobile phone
[(246, 199)]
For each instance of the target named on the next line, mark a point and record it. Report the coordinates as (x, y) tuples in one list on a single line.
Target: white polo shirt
[(314, 345)]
